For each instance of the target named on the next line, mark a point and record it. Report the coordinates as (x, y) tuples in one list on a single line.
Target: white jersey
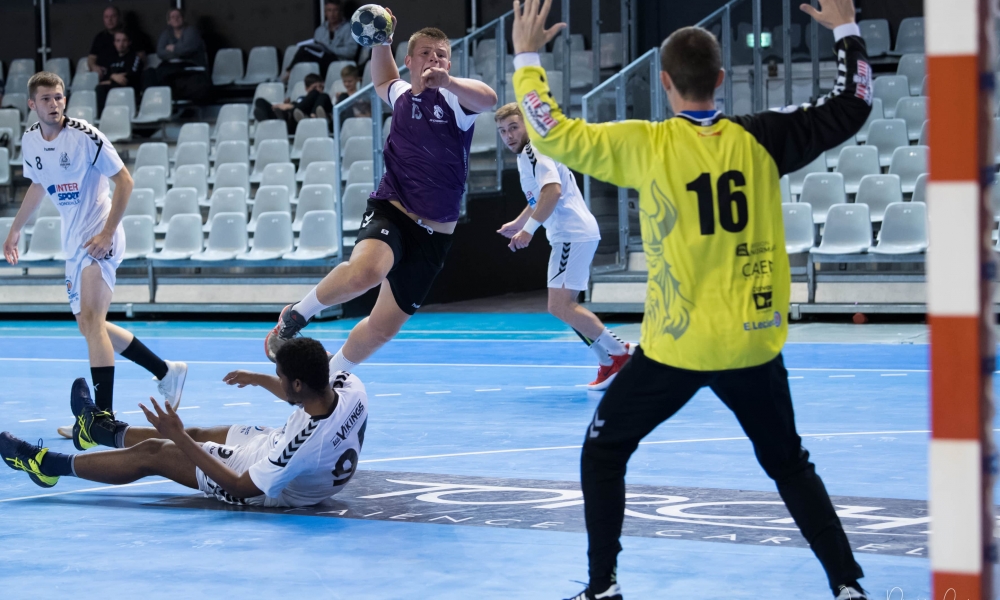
[(571, 221), (74, 169)]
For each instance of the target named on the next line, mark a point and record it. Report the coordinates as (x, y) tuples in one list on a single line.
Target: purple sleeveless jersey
[(427, 152)]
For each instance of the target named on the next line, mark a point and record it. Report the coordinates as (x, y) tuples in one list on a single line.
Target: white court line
[(490, 390), (130, 412), (797, 377), (384, 395), (444, 392), (31, 421), (840, 376), (188, 407), (539, 387), (237, 404), (85, 490), (893, 374)]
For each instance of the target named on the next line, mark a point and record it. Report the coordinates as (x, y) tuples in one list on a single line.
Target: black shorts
[(418, 255)]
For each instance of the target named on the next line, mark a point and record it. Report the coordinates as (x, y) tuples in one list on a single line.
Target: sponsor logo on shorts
[(775, 321), (73, 296), (366, 219), (385, 232), (65, 194), (225, 453), (538, 113)]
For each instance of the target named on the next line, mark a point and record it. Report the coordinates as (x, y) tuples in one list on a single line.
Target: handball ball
[(371, 25)]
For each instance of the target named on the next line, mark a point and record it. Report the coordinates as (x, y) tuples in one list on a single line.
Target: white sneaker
[(66, 431), (172, 384), (848, 592)]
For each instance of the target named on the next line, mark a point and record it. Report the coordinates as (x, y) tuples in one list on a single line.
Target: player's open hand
[(435, 77), (520, 240), (240, 378), (165, 420), (99, 246), (389, 41), (509, 230), (529, 33), (10, 246), (832, 13)]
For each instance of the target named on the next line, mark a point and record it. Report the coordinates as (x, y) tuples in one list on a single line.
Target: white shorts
[(76, 263), (245, 445), (569, 264)]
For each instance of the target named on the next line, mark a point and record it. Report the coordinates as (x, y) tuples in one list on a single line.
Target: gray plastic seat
[(231, 112), (484, 134), (924, 139), (308, 129), (141, 202), (273, 237), (913, 110), (192, 153), (233, 175), (184, 238), (299, 72), (280, 174), (152, 154), (355, 203), (832, 156), (82, 113), (909, 163), (84, 81), (157, 105), (322, 172), (192, 132), (848, 230), (272, 129), (913, 67), (360, 172), (5, 224), (262, 65), (800, 233), (115, 123), (876, 113), (904, 229), (318, 237), (875, 32), (357, 148), (920, 188), (317, 196), (226, 200), (193, 176), (887, 135), (227, 67), (59, 66), (48, 208), (269, 152), (796, 178), (273, 92), (46, 241), (910, 36), (232, 152), (287, 56), (227, 239), (786, 190), (821, 191), (19, 101), (354, 127), (315, 150), (10, 118), (154, 178), (890, 88), (139, 238), (18, 81), (238, 131), (297, 91), (123, 96), (179, 201), (21, 66), (878, 192), (855, 162), (4, 166), (269, 199)]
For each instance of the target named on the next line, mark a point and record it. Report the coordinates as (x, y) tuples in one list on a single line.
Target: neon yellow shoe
[(22, 456), (86, 413)]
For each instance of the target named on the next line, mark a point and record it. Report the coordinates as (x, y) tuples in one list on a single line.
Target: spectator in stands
[(315, 103), (184, 61), (331, 41), (102, 50), (350, 76), (123, 71), (181, 43), (362, 108)]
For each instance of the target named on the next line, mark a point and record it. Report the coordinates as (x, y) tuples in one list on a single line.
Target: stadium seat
[(231, 112), (912, 66), (152, 154), (360, 172), (227, 67), (230, 152), (5, 224), (878, 192), (18, 82), (996, 140), (31, 119), (287, 56), (21, 66), (876, 113), (611, 49), (315, 196), (14, 154), (855, 162), (192, 153), (233, 175), (366, 74), (48, 208), (299, 72), (227, 200), (886, 135), (920, 188), (123, 96), (832, 155), (297, 90), (306, 129), (316, 150), (153, 178), (141, 202), (115, 123), (322, 172), (875, 32), (46, 241), (83, 98), (82, 65), (280, 174), (4, 166), (581, 69), (848, 230), (272, 129), (909, 163), (156, 106), (484, 135), (904, 229), (273, 237), (273, 92), (269, 151), (890, 88), (796, 178), (910, 36), (179, 201), (193, 176), (800, 233), (924, 133), (84, 81), (192, 132), (262, 65), (59, 66), (357, 148), (233, 131), (913, 110), (269, 198), (318, 237), (786, 189), (333, 71), (83, 113), (184, 238), (139, 238), (354, 127), (355, 202), (576, 44), (227, 239), (821, 191), (923, 88), (10, 118), (18, 101), (400, 55)]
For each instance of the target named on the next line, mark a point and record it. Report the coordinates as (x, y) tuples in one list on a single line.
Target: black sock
[(108, 432), (138, 353), (55, 464), (104, 386)]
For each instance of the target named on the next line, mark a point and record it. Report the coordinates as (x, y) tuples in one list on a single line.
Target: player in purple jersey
[(406, 230)]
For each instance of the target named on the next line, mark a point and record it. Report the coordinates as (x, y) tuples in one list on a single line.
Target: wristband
[(531, 226)]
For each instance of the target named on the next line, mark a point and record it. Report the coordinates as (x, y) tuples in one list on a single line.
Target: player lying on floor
[(301, 464)]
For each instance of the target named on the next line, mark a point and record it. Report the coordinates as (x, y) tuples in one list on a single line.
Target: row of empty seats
[(909, 36), (848, 229)]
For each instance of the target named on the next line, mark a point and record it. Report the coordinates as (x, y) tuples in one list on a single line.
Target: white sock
[(339, 362), (310, 306), (610, 342), (602, 355)]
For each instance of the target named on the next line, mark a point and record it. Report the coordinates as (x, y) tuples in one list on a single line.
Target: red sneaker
[(605, 375)]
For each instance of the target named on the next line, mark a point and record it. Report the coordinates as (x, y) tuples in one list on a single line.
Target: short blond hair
[(507, 110), (44, 79), (427, 32)]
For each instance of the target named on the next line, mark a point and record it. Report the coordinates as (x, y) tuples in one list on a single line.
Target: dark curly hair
[(305, 359)]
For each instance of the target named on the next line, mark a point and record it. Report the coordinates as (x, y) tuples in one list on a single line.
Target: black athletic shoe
[(22, 456), (612, 593), (86, 414), (290, 323), (850, 592)]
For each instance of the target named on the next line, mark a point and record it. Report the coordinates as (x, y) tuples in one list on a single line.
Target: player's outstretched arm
[(32, 200), (242, 379), (384, 70), (472, 94)]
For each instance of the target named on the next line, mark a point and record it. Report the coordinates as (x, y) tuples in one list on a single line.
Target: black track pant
[(647, 393)]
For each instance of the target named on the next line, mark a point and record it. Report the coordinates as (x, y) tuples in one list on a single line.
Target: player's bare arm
[(241, 379), (508, 230), (472, 94), (547, 200), (384, 70), (99, 245), (32, 200), (170, 426)]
